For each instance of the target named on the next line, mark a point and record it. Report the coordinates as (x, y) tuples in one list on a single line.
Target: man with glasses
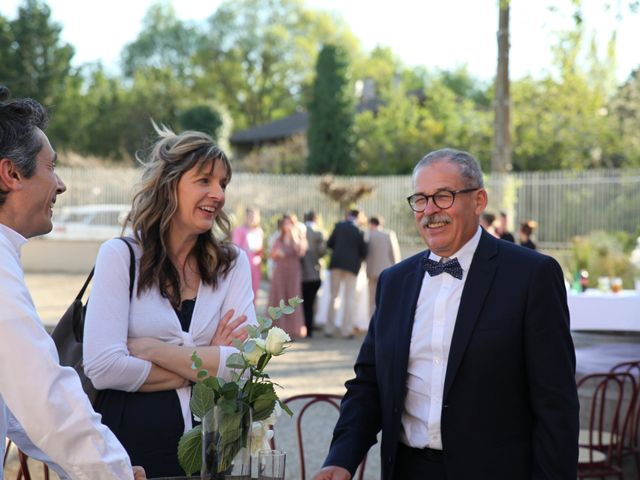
[(468, 366)]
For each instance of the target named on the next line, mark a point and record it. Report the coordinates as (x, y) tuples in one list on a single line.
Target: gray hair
[(19, 140), (467, 164)]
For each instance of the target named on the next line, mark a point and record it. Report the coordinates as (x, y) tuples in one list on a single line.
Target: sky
[(431, 33)]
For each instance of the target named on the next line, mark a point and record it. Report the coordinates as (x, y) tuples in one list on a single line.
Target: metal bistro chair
[(23, 471), (307, 401), (632, 442), (611, 397)]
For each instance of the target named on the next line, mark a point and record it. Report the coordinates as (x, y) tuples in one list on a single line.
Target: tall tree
[(165, 42), (258, 56), (501, 155), (331, 115), (35, 62)]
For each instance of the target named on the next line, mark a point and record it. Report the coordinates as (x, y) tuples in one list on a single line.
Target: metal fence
[(564, 204)]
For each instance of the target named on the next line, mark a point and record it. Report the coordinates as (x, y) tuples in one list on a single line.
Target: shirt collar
[(14, 237), (466, 252)]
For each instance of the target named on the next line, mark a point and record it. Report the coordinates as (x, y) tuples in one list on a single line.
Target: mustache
[(436, 218)]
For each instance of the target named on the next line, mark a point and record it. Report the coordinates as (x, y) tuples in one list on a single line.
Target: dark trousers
[(309, 293), (418, 464)]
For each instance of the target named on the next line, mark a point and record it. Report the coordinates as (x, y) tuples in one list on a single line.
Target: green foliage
[(250, 385), (34, 62), (258, 56), (331, 115), (201, 118), (603, 254), (165, 42)]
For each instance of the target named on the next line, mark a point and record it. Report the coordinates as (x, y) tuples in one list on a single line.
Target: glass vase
[(226, 442)]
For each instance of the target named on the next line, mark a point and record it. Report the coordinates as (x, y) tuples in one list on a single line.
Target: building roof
[(288, 126), (277, 130)]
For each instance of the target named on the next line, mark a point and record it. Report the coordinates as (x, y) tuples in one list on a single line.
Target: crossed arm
[(171, 364)]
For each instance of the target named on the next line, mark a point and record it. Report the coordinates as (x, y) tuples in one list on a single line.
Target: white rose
[(276, 339), (254, 355)]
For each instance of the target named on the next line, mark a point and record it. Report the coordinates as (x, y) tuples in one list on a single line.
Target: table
[(596, 310)]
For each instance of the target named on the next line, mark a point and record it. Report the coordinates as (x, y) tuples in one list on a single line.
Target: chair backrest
[(632, 367), (23, 469), (302, 405), (610, 401)]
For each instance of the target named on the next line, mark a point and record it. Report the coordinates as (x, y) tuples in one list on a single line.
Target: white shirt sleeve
[(45, 398), (105, 354), (240, 298)]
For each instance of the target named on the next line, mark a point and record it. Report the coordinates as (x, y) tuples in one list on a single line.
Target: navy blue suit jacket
[(510, 407)]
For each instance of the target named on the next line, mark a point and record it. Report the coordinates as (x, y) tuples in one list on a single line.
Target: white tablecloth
[(595, 310), (361, 321)]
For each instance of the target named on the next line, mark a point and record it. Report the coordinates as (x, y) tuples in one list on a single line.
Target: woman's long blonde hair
[(155, 202)]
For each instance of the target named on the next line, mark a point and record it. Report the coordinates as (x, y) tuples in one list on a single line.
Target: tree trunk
[(501, 159)]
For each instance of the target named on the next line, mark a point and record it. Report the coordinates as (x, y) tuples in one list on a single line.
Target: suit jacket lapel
[(475, 290), (408, 293)]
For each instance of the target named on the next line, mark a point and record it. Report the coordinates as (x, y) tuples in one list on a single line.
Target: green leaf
[(268, 323), (273, 311), (202, 399), (236, 360), (253, 331), (285, 407), (295, 301), (281, 303), (197, 361), (190, 450), (288, 310), (237, 343), (202, 374)]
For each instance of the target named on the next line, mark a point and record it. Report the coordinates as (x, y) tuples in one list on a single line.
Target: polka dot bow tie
[(452, 267)]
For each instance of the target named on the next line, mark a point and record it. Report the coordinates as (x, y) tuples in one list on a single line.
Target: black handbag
[(68, 333)]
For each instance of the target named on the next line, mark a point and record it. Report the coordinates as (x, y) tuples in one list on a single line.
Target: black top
[(149, 425), (508, 237)]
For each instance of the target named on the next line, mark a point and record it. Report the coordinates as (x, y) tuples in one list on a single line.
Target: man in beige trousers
[(383, 251)]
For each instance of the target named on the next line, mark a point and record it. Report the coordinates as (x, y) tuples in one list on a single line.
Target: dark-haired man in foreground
[(43, 408)]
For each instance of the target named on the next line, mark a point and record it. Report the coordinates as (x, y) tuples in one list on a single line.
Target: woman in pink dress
[(286, 281), (250, 238)]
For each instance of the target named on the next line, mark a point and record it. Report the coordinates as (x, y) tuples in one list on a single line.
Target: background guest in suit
[(502, 228), (348, 250), (382, 252), (468, 365), (526, 230), (250, 238), (316, 248)]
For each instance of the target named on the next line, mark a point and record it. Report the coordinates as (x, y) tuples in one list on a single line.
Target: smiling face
[(39, 192), (201, 195), (445, 231)]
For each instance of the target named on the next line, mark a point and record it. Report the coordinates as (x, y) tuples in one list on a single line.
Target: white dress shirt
[(433, 326), (111, 319), (42, 405)]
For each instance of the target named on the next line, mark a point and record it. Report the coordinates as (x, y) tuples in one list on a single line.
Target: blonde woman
[(192, 291)]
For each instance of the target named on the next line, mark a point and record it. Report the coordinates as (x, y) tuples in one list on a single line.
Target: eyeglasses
[(443, 199)]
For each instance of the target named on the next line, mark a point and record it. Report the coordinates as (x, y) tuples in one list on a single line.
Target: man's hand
[(332, 473), (229, 330), (139, 473)]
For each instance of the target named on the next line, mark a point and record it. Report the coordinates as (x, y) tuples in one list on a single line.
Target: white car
[(89, 222)]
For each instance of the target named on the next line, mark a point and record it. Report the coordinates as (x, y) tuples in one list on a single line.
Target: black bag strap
[(132, 265), (132, 272)]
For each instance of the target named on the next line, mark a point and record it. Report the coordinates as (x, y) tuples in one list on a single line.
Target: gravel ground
[(317, 365)]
